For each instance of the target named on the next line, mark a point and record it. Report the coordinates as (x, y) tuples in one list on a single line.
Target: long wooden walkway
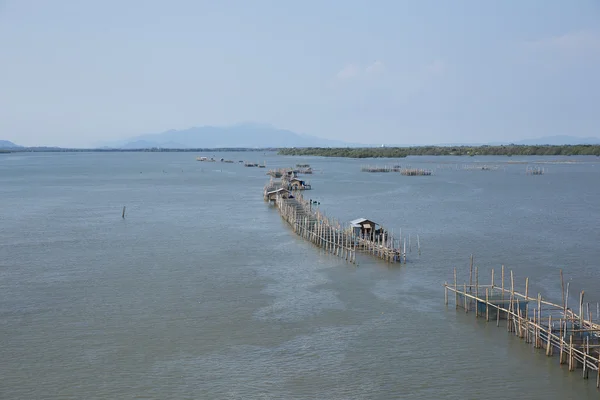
[(555, 328), (328, 234)]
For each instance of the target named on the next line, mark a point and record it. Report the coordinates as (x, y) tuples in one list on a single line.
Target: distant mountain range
[(251, 135), (236, 136), (261, 136), (5, 144)]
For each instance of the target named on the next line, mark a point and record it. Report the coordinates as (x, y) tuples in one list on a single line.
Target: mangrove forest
[(398, 152)]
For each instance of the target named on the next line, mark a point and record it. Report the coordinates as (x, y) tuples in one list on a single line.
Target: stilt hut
[(298, 184), (365, 228), (284, 193)]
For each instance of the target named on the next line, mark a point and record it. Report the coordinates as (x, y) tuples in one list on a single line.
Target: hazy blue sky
[(82, 71)]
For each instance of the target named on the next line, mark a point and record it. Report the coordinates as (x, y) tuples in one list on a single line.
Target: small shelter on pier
[(284, 193), (298, 184), (365, 228)]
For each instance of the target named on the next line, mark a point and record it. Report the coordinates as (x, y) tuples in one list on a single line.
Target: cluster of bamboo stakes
[(548, 326), (469, 167), (535, 171), (328, 234), (416, 172), (380, 168)]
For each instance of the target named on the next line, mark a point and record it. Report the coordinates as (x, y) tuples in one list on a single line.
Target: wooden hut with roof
[(273, 194), (366, 228), (299, 184)]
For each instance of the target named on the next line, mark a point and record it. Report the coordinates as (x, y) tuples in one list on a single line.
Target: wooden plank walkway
[(551, 327)]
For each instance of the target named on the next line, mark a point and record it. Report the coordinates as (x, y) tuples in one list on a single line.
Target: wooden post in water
[(538, 339), (566, 299), (571, 360), (548, 342), (455, 290), (586, 350), (446, 293), (562, 341), (123, 214), (511, 317), (581, 309), (503, 283), (498, 315), (471, 274), (487, 306), (527, 297), (562, 289), (598, 377), (476, 291)]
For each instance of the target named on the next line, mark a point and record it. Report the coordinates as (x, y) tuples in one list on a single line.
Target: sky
[(79, 73)]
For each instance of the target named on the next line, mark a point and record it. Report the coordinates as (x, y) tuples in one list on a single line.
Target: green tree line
[(399, 152)]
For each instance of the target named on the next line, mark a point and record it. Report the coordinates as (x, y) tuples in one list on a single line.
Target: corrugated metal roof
[(358, 221)]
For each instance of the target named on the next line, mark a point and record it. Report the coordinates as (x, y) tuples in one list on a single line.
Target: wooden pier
[(554, 328), (327, 233)]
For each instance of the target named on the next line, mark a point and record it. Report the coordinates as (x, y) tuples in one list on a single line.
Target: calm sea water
[(203, 292)]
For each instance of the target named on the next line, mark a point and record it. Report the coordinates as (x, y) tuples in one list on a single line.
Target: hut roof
[(278, 190), (361, 221)]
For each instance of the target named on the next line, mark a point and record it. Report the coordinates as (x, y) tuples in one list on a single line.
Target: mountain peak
[(5, 144), (247, 134)]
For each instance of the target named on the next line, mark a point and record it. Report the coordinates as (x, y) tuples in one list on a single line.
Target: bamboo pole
[(585, 368), (598, 376), (571, 360), (527, 297), (487, 306), (476, 290), (566, 299), (455, 292), (446, 293), (548, 344), (539, 321), (471, 273), (562, 289), (562, 341), (497, 316), (503, 283)]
